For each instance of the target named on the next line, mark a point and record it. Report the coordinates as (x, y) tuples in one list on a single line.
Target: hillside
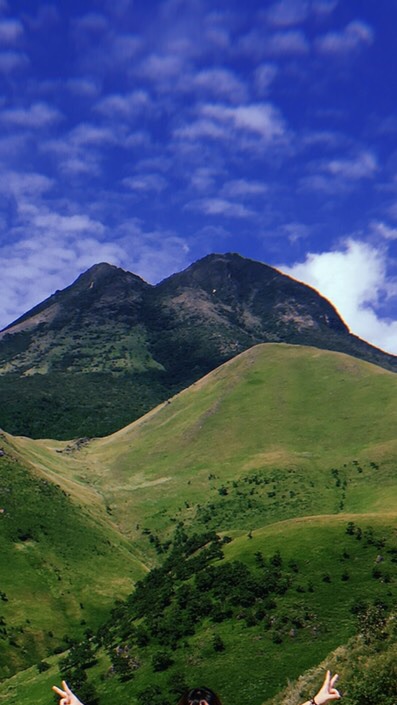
[(281, 419), (304, 431), (108, 348), (53, 548), (290, 452)]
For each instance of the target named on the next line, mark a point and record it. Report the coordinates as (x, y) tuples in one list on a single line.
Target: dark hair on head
[(197, 696)]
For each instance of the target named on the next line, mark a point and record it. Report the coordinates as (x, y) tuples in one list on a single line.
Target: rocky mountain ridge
[(110, 331)]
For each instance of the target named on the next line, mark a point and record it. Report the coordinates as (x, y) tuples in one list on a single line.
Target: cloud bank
[(355, 279)]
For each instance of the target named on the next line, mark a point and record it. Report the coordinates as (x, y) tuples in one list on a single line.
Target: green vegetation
[(51, 553), (110, 347), (263, 501), (233, 447), (268, 603), (71, 404)]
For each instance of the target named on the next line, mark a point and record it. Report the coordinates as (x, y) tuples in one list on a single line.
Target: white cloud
[(259, 43), (324, 7), (62, 224), (13, 60), (159, 68), (81, 151), (36, 116), (354, 278), (91, 22), (384, 230), (264, 77), (243, 187), (222, 83), (202, 128), (292, 42), (288, 12), (89, 134), (203, 179), (221, 207), (362, 166), (340, 175), (124, 105), (82, 86), (61, 246), (355, 35), (263, 119), (145, 182), (57, 249), (10, 31), (23, 184), (296, 231)]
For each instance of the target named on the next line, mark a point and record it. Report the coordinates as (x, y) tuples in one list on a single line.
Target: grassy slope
[(53, 551), (282, 413), (252, 664), (272, 408)]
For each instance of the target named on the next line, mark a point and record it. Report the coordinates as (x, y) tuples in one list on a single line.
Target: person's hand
[(66, 695), (327, 690)]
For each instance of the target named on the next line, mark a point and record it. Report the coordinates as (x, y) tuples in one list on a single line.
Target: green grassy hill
[(266, 642), (60, 568), (278, 432), (100, 353), (284, 449)]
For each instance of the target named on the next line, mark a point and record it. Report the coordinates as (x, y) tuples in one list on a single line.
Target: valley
[(286, 453)]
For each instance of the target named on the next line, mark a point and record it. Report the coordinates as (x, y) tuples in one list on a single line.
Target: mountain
[(289, 451), (106, 349), (55, 543)]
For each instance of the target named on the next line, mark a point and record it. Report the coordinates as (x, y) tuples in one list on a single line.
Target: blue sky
[(149, 134)]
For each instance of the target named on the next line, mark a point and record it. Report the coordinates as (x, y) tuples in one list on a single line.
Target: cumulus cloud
[(264, 77), (222, 83), (340, 174), (355, 35), (286, 42), (38, 115), (61, 224), (355, 279), (24, 184), (363, 166), (12, 60), (91, 22), (288, 12), (89, 134), (221, 207), (82, 86), (145, 183), (263, 119), (161, 69), (61, 246), (324, 7), (10, 31), (124, 105), (383, 230), (51, 257), (82, 150), (202, 128), (291, 42), (244, 187)]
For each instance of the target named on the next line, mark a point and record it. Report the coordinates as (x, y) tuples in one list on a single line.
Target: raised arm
[(327, 691), (66, 695)]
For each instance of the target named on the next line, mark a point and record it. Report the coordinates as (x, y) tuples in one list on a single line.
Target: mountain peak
[(112, 336), (103, 271)]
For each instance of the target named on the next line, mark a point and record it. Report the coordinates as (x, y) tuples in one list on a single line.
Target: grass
[(273, 407), (279, 448), (252, 664), (60, 570)]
